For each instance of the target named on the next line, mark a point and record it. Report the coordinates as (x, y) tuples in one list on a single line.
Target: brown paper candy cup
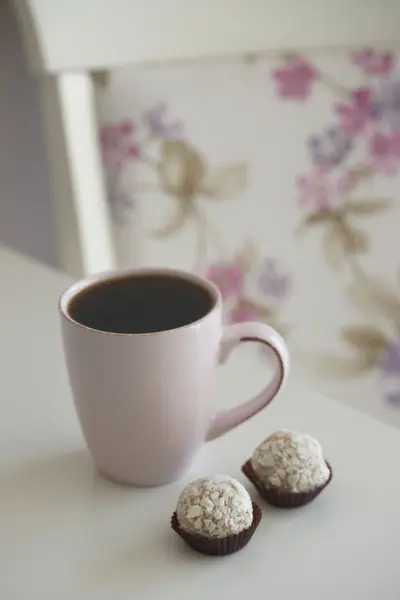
[(218, 546), (281, 498)]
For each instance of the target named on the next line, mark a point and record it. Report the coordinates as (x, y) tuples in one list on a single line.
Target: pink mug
[(142, 347)]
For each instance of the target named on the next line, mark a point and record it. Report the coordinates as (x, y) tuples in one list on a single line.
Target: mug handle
[(226, 420)]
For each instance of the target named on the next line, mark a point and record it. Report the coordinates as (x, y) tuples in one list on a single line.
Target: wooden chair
[(68, 42)]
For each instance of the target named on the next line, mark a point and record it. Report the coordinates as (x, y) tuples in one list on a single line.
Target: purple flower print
[(390, 371), (390, 365), (272, 282), (118, 145), (355, 116), (122, 206), (294, 81), (155, 118), (373, 62), (228, 277), (393, 398), (331, 148), (366, 108), (239, 305), (389, 100)]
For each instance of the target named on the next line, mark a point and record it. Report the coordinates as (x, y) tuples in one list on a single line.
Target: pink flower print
[(385, 152), (373, 62), (244, 311), (228, 277), (321, 190), (355, 116), (313, 190), (118, 145), (295, 80)]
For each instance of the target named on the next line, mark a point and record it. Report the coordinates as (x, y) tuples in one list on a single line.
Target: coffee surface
[(141, 304)]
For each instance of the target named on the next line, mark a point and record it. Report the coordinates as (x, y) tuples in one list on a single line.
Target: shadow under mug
[(146, 401)]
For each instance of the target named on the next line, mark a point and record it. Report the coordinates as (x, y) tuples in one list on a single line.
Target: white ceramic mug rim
[(87, 282)]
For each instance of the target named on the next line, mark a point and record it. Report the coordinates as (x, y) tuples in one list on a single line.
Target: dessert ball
[(215, 507), (291, 462)]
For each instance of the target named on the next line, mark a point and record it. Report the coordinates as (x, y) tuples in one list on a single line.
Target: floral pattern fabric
[(279, 180)]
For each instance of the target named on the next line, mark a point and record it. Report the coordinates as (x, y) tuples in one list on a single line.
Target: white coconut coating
[(290, 461), (215, 507)]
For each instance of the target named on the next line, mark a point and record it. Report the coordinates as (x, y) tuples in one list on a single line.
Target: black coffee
[(141, 304)]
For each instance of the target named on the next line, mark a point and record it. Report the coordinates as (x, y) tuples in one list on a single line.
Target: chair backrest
[(98, 34), (67, 41), (277, 177)]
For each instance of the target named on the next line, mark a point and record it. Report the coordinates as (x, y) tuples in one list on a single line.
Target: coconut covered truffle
[(291, 462), (215, 507)]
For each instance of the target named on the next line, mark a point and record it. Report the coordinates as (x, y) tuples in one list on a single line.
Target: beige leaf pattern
[(178, 169), (368, 207), (181, 169), (342, 240), (365, 336), (251, 58), (337, 366), (332, 245), (312, 219), (290, 56), (246, 256), (226, 182), (369, 343), (264, 313), (359, 174), (374, 296), (185, 177), (355, 241), (177, 220)]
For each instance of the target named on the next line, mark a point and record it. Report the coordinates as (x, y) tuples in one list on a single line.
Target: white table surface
[(65, 533)]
